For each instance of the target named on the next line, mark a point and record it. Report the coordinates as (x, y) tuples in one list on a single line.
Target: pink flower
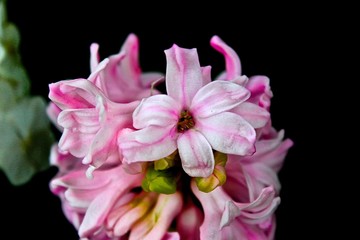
[(194, 118), (90, 121), (181, 165)]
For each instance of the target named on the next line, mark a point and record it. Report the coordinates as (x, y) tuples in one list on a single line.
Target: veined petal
[(183, 74), (196, 155), (233, 65), (101, 206), (228, 133), (77, 144), (74, 94), (253, 114), (157, 222), (213, 204), (148, 144), (159, 110), (254, 212), (216, 97)]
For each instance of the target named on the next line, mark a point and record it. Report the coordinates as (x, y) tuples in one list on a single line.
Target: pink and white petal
[(196, 155), (271, 152), (148, 144), (262, 176), (216, 97), (77, 144), (159, 110), (228, 133), (156, 224), (94, 56), (233, 64), (183, 74), (74, 94), (130, 69), (253, 114), (80, 120), (261, 94), (102, 147), (254, 212), (103, 203), (213, 204)]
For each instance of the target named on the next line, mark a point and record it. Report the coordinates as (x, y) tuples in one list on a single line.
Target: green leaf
[(25, 140)]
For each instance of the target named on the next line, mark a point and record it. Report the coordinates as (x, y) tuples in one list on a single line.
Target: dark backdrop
[(55, 40)]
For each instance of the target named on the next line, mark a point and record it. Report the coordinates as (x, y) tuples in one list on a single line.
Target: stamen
[(185, 122)]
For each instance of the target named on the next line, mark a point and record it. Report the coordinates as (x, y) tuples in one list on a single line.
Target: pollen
[(185, 122)]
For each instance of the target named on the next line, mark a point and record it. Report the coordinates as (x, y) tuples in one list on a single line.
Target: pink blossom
[(90, 120), (213, 141), (194, 118)]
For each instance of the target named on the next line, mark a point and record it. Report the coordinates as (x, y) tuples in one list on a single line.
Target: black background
[(286, 45)]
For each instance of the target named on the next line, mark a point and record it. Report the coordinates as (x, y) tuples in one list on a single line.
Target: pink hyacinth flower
[(194, 118), (90, 121)]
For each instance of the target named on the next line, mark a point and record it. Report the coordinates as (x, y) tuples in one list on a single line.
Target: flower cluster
[(199, 162)]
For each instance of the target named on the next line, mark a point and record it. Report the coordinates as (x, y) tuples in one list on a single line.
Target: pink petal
[(159, 110), (261, 94), (228, 133), (171, 236), (183, 74), (233, 65), (196, 155), (254, 212), (94, 56), (216, 97), (206, 72), (213, 205), (189, 221), (156, 224), (74, 94), (53, 111), (100, 207), (253, 114), (148, 144)]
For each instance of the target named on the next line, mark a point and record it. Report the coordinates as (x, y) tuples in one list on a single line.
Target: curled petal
[(159, 110), (261, 94), (253, 114), (216, 97), (228, 133), (254, 212), (233, 65), (102, 204), (148, 144), (53, 111), (183, 74), (74, 94), (196, 155)]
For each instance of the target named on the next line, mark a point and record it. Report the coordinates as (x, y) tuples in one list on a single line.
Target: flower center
[(185, 122)]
